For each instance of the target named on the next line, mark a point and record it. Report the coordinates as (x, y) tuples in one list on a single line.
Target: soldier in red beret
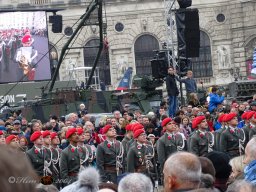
[(56, 151), (12, 141), (218, 132), (26, 57), (70, 159), (109, 156), (47, 149), (202, 141), (125, 141), (170, 142), (248, 119), (232, 139), (134, 128), (136, 157), (37, 156), (85, 151)]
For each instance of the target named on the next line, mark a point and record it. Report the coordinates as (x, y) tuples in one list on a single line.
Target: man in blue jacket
[(215, 100)]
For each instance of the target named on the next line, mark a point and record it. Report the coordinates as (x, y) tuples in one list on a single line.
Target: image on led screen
[(24, 47)]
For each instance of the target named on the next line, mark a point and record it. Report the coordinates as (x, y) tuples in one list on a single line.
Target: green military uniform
[(69, 165), (136, 159), (129, 144), (125, 142), (106, 157), (229, 141), (247, 130), (201, 143), (217, 135), (38, 158), (252, 133), (56, 166), (166, 145), (86, 155)]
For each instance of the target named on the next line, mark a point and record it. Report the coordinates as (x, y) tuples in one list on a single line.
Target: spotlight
[(184, 3)]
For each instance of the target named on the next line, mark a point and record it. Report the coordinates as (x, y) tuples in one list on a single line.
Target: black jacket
[(171, 85)]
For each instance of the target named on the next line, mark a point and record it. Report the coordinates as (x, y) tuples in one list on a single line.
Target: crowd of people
[(199, 147)]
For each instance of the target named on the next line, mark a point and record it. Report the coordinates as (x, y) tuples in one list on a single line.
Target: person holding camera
[(215, 99)]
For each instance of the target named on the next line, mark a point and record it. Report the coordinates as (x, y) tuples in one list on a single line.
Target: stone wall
[(235, 36)]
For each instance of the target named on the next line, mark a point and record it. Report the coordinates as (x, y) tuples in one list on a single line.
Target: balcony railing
[(40, 2)]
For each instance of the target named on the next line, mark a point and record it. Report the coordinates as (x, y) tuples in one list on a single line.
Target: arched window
[(103, 63), (202, 65), (143, 49), (250, 50), (53, 59)]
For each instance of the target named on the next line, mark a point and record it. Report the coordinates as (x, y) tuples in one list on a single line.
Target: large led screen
[(24, 47)]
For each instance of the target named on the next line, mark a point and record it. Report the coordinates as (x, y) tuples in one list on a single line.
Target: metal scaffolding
[(171, 34)]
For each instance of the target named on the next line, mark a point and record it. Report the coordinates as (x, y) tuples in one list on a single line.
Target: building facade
[(135, 28)]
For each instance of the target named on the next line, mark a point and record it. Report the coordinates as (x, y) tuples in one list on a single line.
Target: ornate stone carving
[(223, 52)]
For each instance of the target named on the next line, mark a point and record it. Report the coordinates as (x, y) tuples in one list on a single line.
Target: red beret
[(244, 115), (35, 136), (165, 121), (229, 117), (79, 131), (53, 135), (221, 117), (46, 133), (106, 128), (250, 114), (138, 133), (9, 139), (26, 39), (1, 132), (70, 132), (197, 120), (137, 127), (129, 127)]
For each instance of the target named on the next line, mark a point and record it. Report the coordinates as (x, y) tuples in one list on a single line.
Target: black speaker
[(188, 32), (185, 3), (56, 21), (159, 68)]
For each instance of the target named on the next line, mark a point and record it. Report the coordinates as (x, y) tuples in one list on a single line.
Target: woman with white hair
[(237, 169)]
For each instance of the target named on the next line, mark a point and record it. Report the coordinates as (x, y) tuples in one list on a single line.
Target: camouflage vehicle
[(66, 101)]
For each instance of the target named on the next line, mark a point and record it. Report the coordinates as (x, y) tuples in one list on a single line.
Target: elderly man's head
[(250, 151), (182, 170), (135, 182)]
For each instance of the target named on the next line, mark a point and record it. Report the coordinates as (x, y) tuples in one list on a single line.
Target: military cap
[(229, 117), (79, 130), (165, 121), (129, 127), (26, 39), (53, 135), (106, 128), (70, 132), (137, 127), (46, 133), (138, 133), (221, 117), (35, 136), (250, 114), (197, 121), (244, 115), (9, 139)]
